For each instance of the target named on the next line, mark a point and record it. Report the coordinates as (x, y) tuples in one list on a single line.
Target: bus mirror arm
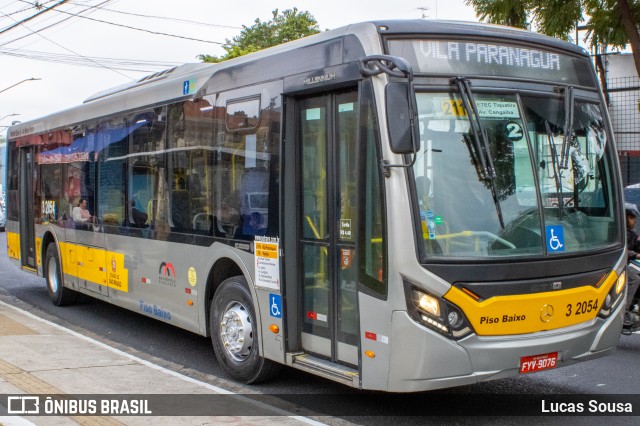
[(394, 66)]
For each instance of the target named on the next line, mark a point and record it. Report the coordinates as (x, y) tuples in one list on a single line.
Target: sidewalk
[(38, 357)]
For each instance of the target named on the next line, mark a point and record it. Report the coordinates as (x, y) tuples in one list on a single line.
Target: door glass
[(314, 172), (346, 132), (328, 140), (316, 290), (27, 235)]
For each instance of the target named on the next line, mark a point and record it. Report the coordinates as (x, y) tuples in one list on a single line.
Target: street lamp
[(10, 115), (20, 82)]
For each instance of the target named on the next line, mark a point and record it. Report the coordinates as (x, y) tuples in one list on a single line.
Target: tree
[(287, 26), (613, 22)]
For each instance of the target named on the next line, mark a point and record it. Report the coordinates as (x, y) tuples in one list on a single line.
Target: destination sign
[(460, 58), (483, 53)]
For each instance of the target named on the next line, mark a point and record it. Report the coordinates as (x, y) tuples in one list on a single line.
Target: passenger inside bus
[(228, 220), (180, 207), (81, 215), (139, 217)]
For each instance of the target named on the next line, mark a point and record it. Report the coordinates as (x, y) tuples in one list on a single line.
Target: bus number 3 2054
[(580, 308)]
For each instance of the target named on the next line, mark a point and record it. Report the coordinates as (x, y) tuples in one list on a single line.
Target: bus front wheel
[(59, 294), (234, 333)]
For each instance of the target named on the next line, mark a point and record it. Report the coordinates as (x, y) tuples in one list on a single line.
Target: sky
[(203, 24)]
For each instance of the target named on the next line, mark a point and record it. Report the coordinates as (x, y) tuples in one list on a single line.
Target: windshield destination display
[(490, 54)]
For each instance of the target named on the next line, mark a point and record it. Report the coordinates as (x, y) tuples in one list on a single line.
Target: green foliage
[(605, 25), (504, 12), (558, 18), (286, 26)]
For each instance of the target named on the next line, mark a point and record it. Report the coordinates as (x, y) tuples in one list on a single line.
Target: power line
[(43, 28), (136, 29), (186, 21), (114, 63), (18, 23), (27, 8), (69, 50)]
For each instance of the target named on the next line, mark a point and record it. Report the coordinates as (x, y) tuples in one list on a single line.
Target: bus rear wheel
[(58, 293), (234, 333)]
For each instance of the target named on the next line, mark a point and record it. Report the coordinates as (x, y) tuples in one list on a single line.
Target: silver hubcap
[(236, 331), (52, 274)]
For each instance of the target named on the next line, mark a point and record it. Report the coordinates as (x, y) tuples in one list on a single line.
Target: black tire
[(234, 335), (58, 293)]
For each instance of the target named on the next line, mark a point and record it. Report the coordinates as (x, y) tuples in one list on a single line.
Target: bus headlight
[(622, 281), (427, 303), (454, 319), (615, 296), (436, 313)]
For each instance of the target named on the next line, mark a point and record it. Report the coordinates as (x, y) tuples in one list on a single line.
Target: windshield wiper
[(480, 140), (568, 127), (555, 166)]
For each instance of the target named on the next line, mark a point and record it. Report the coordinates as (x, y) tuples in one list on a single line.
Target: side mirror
[(399, 121)]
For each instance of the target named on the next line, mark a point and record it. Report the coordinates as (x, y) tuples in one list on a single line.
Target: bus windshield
[(549, 187)]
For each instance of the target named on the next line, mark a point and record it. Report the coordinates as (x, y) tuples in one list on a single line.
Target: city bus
[(393, 205)]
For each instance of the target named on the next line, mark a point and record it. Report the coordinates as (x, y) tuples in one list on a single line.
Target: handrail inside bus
[(315, 232)]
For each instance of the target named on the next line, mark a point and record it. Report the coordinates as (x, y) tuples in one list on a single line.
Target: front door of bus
[(327, 135), (27, 231)]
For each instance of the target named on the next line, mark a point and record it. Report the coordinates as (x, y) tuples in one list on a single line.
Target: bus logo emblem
[(546, 313), (167, 269), (167, 274)]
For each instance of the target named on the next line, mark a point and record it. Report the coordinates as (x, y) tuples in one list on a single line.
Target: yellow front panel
[(529, 313), (13, 245)]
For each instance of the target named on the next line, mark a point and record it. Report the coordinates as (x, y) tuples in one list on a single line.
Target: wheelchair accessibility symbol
[(555, 238), (275, 305)]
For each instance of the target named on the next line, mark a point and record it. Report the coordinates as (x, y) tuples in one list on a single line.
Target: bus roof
[(169, 85)]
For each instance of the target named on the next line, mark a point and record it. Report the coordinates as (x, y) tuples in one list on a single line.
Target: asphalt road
[(614, 377)]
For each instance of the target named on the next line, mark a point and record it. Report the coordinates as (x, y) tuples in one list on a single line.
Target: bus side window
[(112, 146), (245, 181)]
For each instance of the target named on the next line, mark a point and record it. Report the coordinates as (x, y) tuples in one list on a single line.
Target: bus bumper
[(435, 362)]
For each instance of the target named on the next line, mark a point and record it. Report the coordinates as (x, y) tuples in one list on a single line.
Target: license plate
[(529, 364)]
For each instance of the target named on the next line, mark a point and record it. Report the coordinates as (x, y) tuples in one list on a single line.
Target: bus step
[(324, 368)]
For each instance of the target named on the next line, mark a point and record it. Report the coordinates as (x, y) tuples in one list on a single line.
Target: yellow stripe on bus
[(95, 265), (39, 251), (87, 263), (529, 313)]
